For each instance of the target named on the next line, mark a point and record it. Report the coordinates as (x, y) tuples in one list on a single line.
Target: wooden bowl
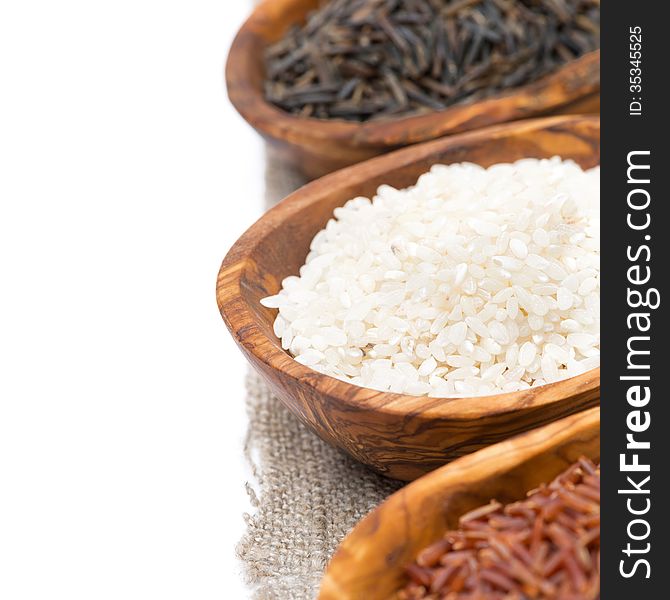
[(316, 146), (398, 435), (370, 561)]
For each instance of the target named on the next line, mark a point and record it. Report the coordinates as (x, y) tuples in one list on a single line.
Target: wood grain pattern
[(317, 147), (400, 436), (370, 561)]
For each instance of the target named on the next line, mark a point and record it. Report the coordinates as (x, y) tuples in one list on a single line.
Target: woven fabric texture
[(309, 495)]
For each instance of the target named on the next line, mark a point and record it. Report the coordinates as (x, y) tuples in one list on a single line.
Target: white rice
[(474, 281)]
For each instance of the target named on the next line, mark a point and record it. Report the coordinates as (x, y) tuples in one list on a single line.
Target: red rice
[(546, 547)]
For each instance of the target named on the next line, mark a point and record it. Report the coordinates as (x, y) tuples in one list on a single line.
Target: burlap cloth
[(307, 495)]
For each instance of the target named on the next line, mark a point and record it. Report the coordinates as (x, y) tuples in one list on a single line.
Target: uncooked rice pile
[(546, 546), (474, 281)]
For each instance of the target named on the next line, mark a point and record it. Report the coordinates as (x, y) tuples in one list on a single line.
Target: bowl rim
[(243, 325), (571, 82)]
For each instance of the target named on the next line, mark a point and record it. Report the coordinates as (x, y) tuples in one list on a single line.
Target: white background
[(125, 176)]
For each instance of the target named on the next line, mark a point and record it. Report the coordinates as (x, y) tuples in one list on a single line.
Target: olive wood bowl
[(400, 436), (370, 562), (317, 146)]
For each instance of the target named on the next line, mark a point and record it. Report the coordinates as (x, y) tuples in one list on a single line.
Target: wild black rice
[(373, 59)]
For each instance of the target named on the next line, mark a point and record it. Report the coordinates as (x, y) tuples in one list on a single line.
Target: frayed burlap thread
[(308, 495)]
